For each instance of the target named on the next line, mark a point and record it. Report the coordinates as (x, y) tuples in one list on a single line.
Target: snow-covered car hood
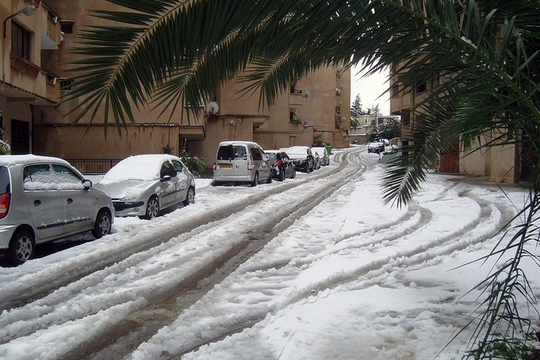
[(126, 190), (297, 156)]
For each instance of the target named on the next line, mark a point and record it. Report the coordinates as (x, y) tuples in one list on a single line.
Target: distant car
[(375, 147), (282, 165), (241, 162), (44, 199), (143, 185), (323, 155), (317, 161), (302, 157)]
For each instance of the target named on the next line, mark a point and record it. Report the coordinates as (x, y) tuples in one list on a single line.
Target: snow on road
[(351, 279)]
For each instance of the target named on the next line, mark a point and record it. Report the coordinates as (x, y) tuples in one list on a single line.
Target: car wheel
[(255, 179), (190, 197), (152, 208), (21, 247), (293, 174), (103, 223)]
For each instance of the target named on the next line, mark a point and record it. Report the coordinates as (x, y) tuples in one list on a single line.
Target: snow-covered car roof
[(11, 160), (138, 167)]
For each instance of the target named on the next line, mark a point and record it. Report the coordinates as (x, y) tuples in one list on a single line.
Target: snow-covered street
[(325, 271)]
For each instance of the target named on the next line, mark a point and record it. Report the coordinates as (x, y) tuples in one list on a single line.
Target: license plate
[(225, 166)]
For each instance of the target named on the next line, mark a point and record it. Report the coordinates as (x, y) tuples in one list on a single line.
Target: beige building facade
[(315, 110), (500, 164)]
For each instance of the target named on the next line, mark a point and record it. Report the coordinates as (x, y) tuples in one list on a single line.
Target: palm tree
[(485, 54)]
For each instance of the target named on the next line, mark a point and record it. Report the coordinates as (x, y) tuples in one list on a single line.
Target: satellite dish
[(307, 94), (212, 107)]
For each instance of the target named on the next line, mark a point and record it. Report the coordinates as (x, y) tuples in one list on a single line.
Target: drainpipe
[(32, 128)]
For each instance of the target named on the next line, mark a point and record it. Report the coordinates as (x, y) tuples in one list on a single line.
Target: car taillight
[(250, 165), (4, 205), (214, 167)]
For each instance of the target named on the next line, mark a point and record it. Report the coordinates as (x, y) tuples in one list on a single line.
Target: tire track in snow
[(76, 291), (482, 228), (26, 288)]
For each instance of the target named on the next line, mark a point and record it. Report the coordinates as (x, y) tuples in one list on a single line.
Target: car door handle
[(37, 202), (70, 201)]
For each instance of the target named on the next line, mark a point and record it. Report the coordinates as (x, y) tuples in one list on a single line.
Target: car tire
[(103, 224), (293, 174), (255, 179), (152, 208), (21, 247), (190, 196)]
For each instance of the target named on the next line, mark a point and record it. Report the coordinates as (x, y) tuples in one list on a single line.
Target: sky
[(370, 89), (349, 279)]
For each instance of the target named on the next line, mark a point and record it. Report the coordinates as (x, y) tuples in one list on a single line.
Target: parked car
[(144, 185), (316, 161), (375, 147), (282, 165), (44, 199), (241, 162), (302, 157), (323, 155)]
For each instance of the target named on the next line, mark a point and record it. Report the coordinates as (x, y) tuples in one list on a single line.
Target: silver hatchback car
[(43, 199), (144, 185)]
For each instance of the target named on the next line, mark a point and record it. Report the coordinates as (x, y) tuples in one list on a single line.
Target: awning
[(15, 94)]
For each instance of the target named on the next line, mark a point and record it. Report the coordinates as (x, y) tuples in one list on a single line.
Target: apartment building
[(36, 48), (500, 164)]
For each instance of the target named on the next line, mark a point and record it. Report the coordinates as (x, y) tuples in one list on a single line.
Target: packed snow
[(351, 279)]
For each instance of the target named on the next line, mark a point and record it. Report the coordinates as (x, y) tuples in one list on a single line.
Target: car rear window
[(231, 152), (4, 180)]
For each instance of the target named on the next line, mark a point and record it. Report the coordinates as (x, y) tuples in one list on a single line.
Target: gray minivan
[(241, 162), (43, 199)]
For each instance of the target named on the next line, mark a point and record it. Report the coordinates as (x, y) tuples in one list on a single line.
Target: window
[(38, 177), (67, 27), (232, 152), (65, 84), (67, 179), (256, 154), (421, 88), (20, 41), (167, 169), (177, 166)]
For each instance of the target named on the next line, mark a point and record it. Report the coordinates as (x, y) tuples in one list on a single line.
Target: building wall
[(497, 163), (238, 118)]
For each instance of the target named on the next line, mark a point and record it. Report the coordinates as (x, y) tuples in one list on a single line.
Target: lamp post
[(27, 10)]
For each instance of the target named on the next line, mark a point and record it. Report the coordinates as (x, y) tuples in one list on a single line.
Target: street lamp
[(27, 10)]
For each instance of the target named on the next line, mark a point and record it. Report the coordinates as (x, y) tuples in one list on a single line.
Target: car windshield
[(231, 152), (135, 168)]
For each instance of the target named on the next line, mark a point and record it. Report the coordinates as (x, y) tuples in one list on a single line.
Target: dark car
[(302, 157), (282, 165)]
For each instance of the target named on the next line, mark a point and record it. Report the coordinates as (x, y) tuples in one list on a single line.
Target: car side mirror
[(87, 184), (166, 178)]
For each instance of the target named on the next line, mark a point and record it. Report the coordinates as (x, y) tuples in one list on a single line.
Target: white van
[(241, 162)]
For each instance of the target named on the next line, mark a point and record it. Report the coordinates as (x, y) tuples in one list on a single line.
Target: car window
[(232, 152), (66, 178), (167, 169), (177, 165), (256, 154), (38, 177), (4, 180), (272, 156)]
